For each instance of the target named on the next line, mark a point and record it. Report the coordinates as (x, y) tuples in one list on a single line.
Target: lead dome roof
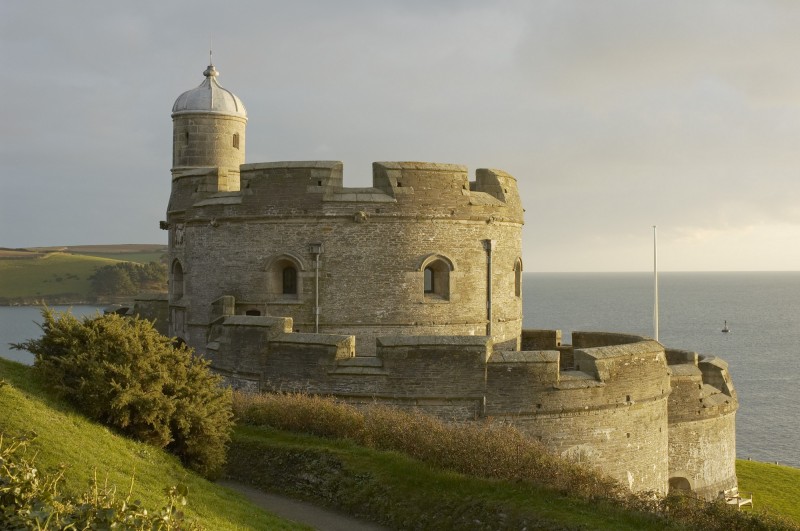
[(209, 97)]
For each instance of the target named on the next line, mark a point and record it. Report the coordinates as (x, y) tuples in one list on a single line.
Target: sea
[(762, 348)]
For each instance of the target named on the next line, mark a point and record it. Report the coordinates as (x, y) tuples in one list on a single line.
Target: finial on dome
[(211, 71)]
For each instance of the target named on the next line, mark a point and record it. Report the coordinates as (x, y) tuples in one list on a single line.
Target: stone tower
[(208, 132), (208, 141)]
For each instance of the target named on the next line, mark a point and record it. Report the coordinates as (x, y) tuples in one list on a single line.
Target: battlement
[(702, 387), (456, 367), (299, 188)]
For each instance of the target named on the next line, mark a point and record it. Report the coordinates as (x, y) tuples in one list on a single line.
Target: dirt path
[(299, 511)]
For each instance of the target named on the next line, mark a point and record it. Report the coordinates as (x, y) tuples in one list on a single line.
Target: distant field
[(62, 273), (48, 275), (139, 258), (141, 253), (106, 249)]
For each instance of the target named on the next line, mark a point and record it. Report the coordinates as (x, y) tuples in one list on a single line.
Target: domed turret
[(208, 127), (209, 97)]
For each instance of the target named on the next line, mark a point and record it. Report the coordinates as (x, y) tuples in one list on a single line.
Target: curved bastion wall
[(614, 408), (702, 424), (607, 409), (360, 254)]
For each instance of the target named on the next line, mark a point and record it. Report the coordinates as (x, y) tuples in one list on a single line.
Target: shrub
[(123, 373), (30, 499)]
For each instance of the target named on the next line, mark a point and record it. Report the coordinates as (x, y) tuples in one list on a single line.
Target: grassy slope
[(404, 493), (139, 258), (38, 277), (387, 485), (775, 488), (67, 437), (64, 272)]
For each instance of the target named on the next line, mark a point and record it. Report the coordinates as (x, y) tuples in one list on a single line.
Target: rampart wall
[(702, 407), (613, 404), (611, 409)]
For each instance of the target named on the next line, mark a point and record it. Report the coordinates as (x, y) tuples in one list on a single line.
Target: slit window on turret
[(236, 140), (289, 280), (177, 280), (518, 278)]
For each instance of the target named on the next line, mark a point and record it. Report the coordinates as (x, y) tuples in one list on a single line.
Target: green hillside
[(61, 274), (64, 436), (775, 488), (386, 486), (48, 275)]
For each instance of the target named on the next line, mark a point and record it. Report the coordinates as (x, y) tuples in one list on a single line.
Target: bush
[(121, 372), (30, 499)]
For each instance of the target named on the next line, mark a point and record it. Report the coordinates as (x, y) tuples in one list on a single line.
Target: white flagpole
[(655, 284)]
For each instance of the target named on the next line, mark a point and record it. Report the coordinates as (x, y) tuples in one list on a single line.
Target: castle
[(409, 293)]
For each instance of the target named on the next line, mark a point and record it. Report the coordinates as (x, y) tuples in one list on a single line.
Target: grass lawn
[(775, 488), (64, 436)]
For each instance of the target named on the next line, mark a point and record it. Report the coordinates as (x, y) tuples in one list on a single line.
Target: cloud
[(614, 115)]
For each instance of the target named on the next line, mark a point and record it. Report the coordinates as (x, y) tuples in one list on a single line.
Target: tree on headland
[(128, 278), (121, 372)]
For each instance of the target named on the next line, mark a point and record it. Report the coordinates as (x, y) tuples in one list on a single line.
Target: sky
[(613, 115)]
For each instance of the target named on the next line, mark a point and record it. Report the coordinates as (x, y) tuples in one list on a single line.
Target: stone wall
[(702, 407), (153, 306), (612, 414), (206, 140), (613, 407)]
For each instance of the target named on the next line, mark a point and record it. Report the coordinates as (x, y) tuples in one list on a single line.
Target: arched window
[(236, 140), (436, 278), (518, 278), (176, 286), (289, 280), (284, 278)]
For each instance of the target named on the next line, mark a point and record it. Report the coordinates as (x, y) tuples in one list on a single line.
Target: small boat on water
[(725, 328)]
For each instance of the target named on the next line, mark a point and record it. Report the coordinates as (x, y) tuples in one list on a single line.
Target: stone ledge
[(294, 164), (533, 356), (438, 341)]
